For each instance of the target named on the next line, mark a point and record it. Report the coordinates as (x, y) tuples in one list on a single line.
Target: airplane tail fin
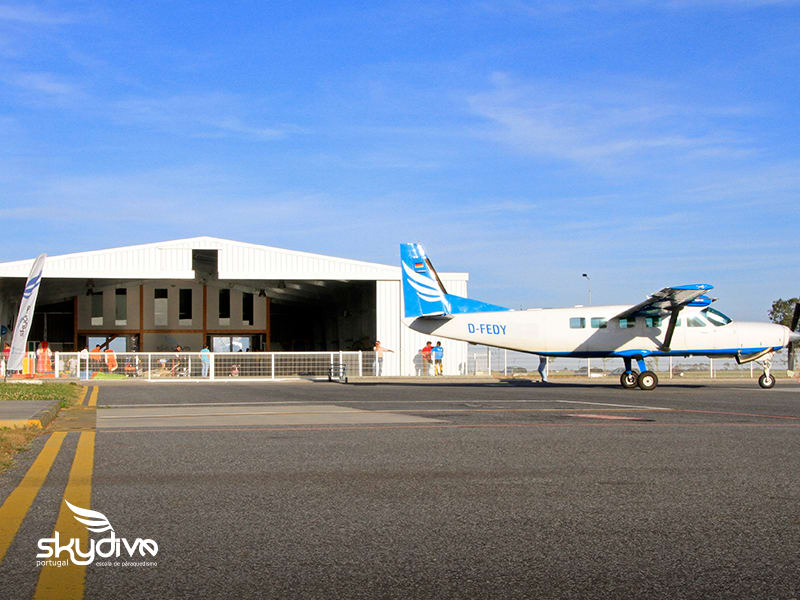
[(424, 294)]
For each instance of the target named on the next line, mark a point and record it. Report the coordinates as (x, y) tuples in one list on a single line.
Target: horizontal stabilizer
[(424, 294)]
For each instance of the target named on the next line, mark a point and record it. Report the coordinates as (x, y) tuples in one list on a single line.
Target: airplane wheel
[(648, 380), (628, 380), (766, 381)]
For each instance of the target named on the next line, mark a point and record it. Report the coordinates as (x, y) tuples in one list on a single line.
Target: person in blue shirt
[(438, 355), (205, 360)]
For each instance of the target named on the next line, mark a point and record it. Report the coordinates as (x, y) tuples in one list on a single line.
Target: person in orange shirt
[(44, 363), (96, 358), (111, 360)]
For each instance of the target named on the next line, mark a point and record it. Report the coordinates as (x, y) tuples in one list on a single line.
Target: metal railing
[(481, 361), (484, 360), (160, 366)]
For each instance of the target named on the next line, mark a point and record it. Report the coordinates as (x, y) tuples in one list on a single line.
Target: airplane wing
[(670, 299)]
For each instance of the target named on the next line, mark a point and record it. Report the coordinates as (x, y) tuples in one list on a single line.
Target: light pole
[(588, 360), (589, 281)]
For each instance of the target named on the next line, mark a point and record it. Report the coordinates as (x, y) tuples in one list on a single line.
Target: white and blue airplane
[(675, 321)]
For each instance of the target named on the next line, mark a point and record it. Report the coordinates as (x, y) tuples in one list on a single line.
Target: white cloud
[(44, 83), (33, 15), (205, 115), (595, 125)]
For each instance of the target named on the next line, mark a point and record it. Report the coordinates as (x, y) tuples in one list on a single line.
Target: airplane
[(675, 321)]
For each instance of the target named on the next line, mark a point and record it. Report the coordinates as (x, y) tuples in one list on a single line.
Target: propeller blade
[(793, 337)]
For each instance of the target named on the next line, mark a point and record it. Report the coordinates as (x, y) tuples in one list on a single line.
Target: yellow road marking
[(85, 389), (68, 582), (19, 501), (93, 397)]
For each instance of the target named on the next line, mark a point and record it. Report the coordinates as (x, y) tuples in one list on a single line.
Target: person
[(205, 359), (83, 359), (426, 358), (44, 363), (176, 362), (111, 360), (438, 355), (379, 352), (6, 354), (543, 368), (96, 356)]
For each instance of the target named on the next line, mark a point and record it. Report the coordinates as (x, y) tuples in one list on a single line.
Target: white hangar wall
[(406, 342)]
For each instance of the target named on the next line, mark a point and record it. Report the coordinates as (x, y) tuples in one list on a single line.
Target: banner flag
[(25, 317)]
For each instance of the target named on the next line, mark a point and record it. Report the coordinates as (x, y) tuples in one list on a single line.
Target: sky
[(645, 143)]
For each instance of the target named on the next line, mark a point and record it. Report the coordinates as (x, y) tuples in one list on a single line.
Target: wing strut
[(665, 347)]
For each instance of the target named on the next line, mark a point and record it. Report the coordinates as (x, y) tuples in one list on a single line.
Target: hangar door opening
[(322, 315)]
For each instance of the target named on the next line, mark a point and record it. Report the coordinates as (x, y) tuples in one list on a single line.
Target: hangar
[(231, 295)]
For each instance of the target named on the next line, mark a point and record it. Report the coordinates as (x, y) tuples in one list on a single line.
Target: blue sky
[(646, 143)]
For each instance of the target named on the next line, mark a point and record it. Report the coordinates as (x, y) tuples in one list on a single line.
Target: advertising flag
[(25, 317)]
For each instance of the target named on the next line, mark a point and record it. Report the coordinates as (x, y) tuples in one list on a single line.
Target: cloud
[(33, 15), (204, 115), (597, 126), (44, 83)]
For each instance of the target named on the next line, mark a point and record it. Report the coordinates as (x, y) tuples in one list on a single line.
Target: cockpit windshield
[(715, 317)]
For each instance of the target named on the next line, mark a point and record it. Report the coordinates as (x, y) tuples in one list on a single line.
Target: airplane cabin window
[(627, 323), (716, 317), (599, 323), (695, 322), (577, 323), (653, 322)]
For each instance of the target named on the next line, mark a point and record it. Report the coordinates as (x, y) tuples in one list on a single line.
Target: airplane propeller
[(794, 337)]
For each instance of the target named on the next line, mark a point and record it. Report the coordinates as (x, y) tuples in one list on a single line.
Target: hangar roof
[(235, 260)]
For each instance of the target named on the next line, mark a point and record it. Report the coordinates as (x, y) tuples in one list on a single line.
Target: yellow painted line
[(68, 581), (20, 500), (14, 423), (93, 397), (85, 389)]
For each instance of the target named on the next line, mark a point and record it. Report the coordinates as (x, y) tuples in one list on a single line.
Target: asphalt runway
[(396, 490)]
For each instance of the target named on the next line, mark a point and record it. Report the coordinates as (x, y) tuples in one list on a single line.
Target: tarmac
[(416, 489)]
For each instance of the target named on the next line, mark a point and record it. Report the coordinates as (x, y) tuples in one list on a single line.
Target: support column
[(75, 324), (141, 318), (268, 327), (205, 316)]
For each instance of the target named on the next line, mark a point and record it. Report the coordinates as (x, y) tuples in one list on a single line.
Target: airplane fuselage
[(593, 331)]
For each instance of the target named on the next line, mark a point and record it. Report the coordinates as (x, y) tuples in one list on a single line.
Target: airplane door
[(699, 333)]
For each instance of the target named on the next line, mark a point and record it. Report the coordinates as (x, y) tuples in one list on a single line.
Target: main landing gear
[(644, 380)]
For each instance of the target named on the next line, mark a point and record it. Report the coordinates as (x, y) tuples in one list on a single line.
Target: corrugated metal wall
[(406, 342)]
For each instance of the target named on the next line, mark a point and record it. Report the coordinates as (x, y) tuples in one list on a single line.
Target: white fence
[(483, 360), (155, 366)]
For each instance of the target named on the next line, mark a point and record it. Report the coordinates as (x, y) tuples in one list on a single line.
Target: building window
[(577, 322), (97, 308), (185, 307), (627, 323), (160, 306), (121, 307), (247, 308), (224, 307), (599, 323)]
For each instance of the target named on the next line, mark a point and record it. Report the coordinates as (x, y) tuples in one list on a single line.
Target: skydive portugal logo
[(114, 551)]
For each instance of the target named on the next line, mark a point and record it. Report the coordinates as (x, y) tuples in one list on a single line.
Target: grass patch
[(13, 441), (63, 392)]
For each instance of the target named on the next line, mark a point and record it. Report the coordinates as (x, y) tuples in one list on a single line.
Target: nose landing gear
[(767, 379)]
